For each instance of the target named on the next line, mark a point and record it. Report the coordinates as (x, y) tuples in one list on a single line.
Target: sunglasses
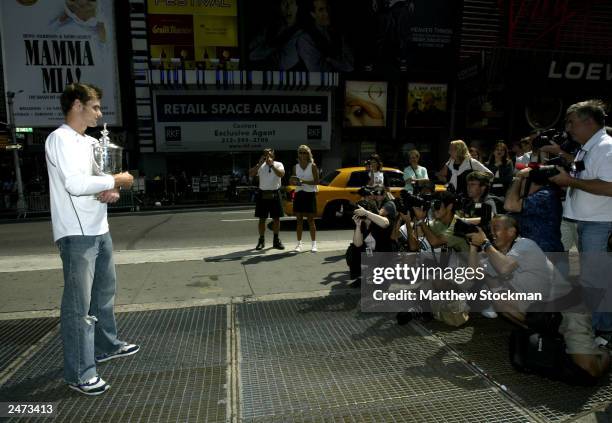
[(378, 193)]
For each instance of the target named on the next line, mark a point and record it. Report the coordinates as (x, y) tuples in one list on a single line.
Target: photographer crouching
[(441, 237), (374, 222), (536, 203), (517, 264), (589, 198)]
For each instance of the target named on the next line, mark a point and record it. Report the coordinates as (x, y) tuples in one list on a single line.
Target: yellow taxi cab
[(339, 191)]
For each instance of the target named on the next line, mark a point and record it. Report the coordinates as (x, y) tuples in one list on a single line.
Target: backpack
[(544, 354)]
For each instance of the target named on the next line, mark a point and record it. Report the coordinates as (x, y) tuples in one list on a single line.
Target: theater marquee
[(240, 121)]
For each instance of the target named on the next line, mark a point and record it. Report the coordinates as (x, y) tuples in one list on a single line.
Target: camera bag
[(544, 354)]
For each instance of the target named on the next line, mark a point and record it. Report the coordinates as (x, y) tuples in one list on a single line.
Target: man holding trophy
[(82, 181)]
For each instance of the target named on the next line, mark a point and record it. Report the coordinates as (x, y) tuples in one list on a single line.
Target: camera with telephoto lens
[(407, 201), (561, 138), (472, 209), (463, 228), (369, 205), (365, 191), (547, 137), (540, 173)]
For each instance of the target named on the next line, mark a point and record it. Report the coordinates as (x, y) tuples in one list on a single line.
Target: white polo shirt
[(69, 163), (597, 156), (268, 180)]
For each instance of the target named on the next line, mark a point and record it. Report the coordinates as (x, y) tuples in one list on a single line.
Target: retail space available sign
[(52, 43), (241, 121)]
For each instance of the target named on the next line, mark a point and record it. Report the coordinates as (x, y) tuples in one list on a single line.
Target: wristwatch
[(486, 245)]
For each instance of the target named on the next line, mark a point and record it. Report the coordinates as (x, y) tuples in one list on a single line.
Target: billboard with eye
[(365, 104)]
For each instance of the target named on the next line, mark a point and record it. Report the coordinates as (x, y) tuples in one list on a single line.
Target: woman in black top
[(501, 166)]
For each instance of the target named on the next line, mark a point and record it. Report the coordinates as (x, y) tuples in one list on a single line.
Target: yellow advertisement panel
[(193, 7), (215, 31)]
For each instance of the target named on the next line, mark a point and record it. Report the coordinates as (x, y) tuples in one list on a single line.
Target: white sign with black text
[(241, 120)]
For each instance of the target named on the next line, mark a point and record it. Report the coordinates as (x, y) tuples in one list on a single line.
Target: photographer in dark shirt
[(478, 203), (374, 225), (537, 204)]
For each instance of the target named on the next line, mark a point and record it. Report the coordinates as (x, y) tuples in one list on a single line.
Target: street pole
[(21, 204)]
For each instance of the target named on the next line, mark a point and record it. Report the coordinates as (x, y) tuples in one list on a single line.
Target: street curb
[(241, 299), (46, 216)]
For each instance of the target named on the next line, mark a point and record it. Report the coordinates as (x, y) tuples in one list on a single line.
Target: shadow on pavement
[(48, 386), (333, 259), (267, 259), (235, 256)]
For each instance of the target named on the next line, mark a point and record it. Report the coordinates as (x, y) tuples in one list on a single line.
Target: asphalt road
[(185, 229)]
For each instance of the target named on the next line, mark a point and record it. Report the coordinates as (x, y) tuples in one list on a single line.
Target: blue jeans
[(87, 319), (593, 244)]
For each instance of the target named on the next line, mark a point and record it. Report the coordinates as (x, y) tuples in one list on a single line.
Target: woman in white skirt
[(305, 177)]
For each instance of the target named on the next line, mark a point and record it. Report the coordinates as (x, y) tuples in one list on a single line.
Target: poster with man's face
[(365, 104), (426, 105), (48, 44)]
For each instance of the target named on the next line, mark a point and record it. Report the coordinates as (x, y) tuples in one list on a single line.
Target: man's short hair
[(269, 151), (595, 109), (81, 92), (481, 177), (509, 222), (447, 197)]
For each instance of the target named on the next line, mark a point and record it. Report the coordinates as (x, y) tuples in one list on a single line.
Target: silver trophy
[(108, 157)]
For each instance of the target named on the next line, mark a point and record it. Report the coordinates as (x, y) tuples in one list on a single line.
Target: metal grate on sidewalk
[(485, 342), (17, 336), (322, 360), (180, 374)]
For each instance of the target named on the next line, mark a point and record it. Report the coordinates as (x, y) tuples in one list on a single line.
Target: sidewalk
[(238, 335)]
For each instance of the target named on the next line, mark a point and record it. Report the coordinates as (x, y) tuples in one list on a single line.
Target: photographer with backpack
[(518, 265)]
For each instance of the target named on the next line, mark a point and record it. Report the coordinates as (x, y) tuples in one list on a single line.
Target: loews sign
[(590, 71)]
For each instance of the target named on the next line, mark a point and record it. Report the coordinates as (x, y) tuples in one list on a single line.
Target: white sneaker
[(94, 386), (314, 248), (298, 247)]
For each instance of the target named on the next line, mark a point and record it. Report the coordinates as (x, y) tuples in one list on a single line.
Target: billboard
[(202, 35), (240, 121), (50, 44), (365, 104), (294, 35), (426, 105)]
